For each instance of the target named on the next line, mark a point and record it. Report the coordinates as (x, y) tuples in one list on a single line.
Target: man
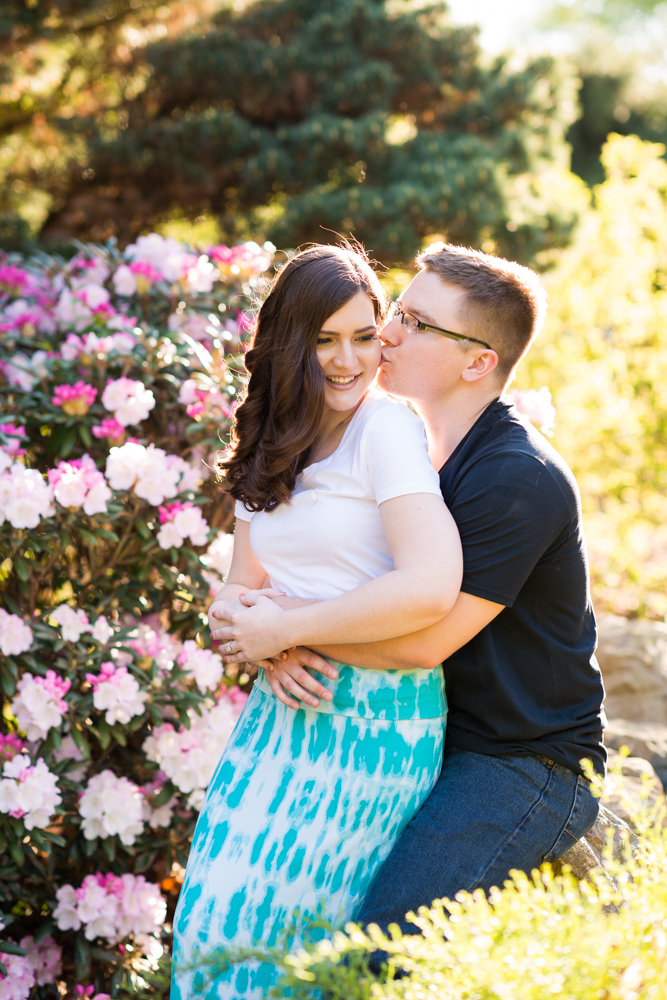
[(522, 682)]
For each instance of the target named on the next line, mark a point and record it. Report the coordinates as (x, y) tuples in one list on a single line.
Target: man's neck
[(448, 420)]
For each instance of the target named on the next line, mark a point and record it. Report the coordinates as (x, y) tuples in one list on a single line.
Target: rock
[(643, 739), (587, 854), (633, 659), (631, 786)]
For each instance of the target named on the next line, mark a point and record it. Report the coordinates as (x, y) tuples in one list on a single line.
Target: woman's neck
[(330, 432)]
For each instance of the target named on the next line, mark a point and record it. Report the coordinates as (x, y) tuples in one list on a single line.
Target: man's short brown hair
[(505, 303)]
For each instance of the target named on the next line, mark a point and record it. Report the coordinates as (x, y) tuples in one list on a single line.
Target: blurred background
[(533, 129)]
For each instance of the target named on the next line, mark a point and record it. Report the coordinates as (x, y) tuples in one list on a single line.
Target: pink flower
[(14, 280), (45, 957), (107, 670), (79, 483), (15, 434), (536, 406), (111, 430), (10, 745), (145, 275), (75, 399), (240, 261)]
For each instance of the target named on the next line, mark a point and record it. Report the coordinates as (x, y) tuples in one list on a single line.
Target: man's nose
[(391, 333)]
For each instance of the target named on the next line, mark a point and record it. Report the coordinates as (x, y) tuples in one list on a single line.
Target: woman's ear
[(481, 364)]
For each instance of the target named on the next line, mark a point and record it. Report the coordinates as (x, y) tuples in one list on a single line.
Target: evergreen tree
[(301, 119)]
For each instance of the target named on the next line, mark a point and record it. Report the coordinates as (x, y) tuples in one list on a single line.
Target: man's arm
[(426, 649)]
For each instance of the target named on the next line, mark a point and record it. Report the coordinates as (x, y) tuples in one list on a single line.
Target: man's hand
[(286, 676), (253, 632)]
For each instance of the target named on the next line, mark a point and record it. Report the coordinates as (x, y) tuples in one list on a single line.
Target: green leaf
[(81, 956), (144, 861), (88, 536), (16, 851), (103, 955), (22, 568), (89, 847), (9, 948), (85, 436), (103, 733), (107, 533), (119, 736), (7, 682), (38, 840), (3, 969), (164, 795), (45, 929), (68, 441), (80, 739), (55, 838), (143, 529), (109, 848)]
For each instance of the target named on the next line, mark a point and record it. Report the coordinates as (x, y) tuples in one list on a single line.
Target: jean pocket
[(584, 813)]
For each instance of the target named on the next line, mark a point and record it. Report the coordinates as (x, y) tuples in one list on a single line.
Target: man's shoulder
[(508, 453)]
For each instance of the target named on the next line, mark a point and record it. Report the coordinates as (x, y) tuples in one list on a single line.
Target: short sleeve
[(396, 454), (509, 511), (241, 513)]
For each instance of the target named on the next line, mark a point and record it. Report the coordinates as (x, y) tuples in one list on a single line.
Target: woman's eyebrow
[(336, 333)]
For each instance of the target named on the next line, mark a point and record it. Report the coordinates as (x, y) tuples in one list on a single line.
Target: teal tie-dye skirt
[(302, 810)]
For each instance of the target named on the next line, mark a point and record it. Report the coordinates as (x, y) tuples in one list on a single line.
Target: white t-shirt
[(329, 539)]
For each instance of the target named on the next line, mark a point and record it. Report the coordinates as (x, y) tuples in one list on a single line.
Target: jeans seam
[(516, 829), (567, 822)]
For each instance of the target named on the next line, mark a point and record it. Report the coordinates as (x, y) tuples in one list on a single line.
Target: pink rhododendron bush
[(118, 376)]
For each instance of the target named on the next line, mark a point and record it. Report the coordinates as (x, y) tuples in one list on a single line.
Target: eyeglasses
[(413, 324)]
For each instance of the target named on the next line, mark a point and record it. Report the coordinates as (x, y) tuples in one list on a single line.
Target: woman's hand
[(253, 632), (222, 611)]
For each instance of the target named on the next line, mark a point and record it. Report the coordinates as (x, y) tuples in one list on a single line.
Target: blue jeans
[(485, 816)]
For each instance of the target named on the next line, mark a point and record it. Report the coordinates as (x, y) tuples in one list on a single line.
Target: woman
[(336, 500)]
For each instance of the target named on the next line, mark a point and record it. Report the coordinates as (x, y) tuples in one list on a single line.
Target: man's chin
[(384, 381)]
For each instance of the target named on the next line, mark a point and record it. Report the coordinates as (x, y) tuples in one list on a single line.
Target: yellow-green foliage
[(536, 938), (603, 354)]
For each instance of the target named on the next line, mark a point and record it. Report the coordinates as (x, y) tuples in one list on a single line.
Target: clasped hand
[(251, 629)]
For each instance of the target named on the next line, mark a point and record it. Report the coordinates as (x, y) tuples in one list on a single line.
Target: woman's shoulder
[(378, 408)]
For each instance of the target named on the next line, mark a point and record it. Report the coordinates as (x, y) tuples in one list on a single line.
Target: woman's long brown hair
[(277, 422)]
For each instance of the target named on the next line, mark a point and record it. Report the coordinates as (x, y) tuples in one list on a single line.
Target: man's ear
[(482, 363)]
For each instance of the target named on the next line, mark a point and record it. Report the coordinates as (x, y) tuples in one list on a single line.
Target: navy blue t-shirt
[(529, 682)]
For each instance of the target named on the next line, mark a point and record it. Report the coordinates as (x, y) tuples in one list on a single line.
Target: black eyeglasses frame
[(396, 310)]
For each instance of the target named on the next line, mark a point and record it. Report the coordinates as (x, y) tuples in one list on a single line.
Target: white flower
[(202, 275), (158, 479), (28, 791), (72, 311), (203, 665), (15, 635), (149, 470), (73, 622), (19, 373), (39, 704), (118, 693), (190, 523), (45, 958), (219, 554), (66, 912), (124, 281), (169, 536), (128, 400), (24, 497), (111, 806), (155, 250), (189, 756), (20, 978), (112, 907), (124, 465), (101, 630)]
